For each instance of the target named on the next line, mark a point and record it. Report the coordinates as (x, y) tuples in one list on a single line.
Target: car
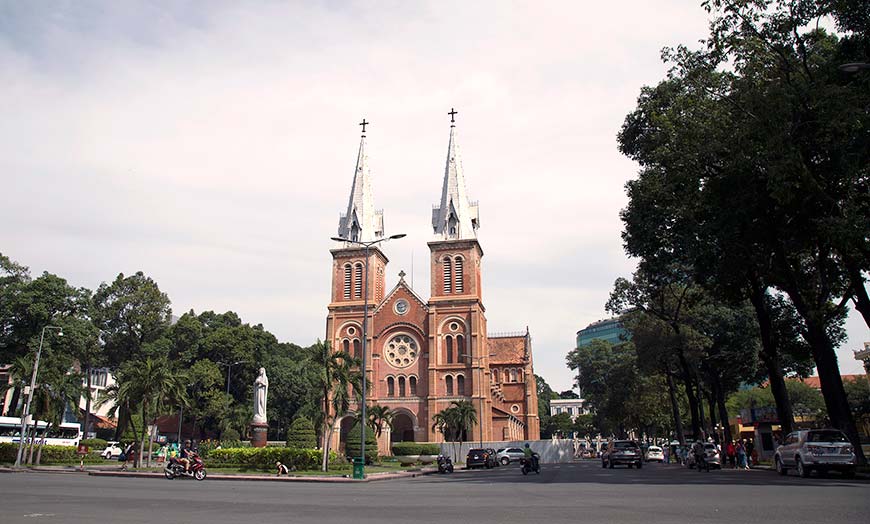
[(622, 452), (507, 455), (654, 454), (819, 450), (112, 450), (480, 457)]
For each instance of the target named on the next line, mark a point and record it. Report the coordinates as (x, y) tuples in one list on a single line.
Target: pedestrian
[(731, 453), (282, 469), (741, 456), (667, 454), (750, 452)]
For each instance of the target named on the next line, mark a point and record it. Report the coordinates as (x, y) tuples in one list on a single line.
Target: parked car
[(622, 452), (654, 454), (480, 457), (112, 450), (819, 450), (507, 455)]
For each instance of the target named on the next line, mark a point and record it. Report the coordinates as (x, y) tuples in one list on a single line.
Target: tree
[(354, 439), (561, 424), (380, 416), (545, 395), (301, 434), (569, 394), (464, 417), (335, 381)]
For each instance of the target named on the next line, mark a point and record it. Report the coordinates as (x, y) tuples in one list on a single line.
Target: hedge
[(50, 454), (265, 458), (95, 444), (352, 448), (415, 448)]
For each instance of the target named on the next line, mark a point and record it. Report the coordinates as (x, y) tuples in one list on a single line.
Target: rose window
[(401, 351)]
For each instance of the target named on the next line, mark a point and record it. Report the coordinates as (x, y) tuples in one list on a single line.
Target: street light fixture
[(26, 412), (366, 246)]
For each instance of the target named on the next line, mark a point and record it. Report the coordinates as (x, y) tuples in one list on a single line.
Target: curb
[(268, 478)]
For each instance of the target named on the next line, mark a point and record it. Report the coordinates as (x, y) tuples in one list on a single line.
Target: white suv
[(816, 449), (508, 455)]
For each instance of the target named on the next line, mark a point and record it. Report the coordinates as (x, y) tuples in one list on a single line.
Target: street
[(579, 492)]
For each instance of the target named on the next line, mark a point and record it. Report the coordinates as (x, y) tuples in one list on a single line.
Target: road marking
[(40, 515)]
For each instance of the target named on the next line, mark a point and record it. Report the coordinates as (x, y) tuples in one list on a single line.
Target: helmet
[(527, 444)]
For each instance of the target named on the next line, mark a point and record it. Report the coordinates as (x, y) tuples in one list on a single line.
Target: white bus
[(67, 434)]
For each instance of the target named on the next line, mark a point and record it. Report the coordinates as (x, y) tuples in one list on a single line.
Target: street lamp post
[(230, 367), (26, 411), (366, 246)]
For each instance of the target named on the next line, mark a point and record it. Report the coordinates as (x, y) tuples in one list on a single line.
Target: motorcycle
[(532, 464), (174, 468), (445, 465), (701, 462)]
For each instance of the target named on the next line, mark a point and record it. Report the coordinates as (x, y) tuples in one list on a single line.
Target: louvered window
[(412, 384), (401, 386), (449, 381), (348, 277), (448, 275), (357, 285), (460, 385), (458, 275), (357, 351), (449, 342), (391, 387), (460, 348), (345, 345)]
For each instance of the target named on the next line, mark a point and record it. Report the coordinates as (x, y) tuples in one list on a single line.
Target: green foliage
[(807, 400), (858, 391), (545, 394), (301, 434), (94, 444), (407, 448), (265, 458), (50, 454), (430, 449), (561, 424), (352, 448)]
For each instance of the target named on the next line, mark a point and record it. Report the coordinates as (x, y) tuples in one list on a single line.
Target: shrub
[(301, 434), (95, 444), (406, 448), (352, 449), (50, 454), (230, 435), (265, 458), (430, 449)]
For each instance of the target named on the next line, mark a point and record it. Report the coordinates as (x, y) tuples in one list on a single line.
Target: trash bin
[(358, 468)]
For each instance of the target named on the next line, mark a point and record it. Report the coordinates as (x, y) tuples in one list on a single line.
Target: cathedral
[(424, 354)]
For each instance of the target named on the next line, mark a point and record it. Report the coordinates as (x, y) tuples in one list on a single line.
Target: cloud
[(212, 145)]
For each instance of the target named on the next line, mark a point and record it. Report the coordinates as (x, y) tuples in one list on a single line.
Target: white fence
[(550, 451)]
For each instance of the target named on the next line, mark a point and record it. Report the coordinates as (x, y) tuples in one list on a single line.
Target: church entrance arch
[(404, 423), (345, 426)]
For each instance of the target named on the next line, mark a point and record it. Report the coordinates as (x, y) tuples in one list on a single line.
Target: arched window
[(348, 280), (513, 375), (495, 376), (357, 348), (357, 285), (401, 386), (460, 385), (507, 377), (449, 381), (520, 375), (391, 387), (460, 348), (457, 274), (345, 345), (449, 344), (448, 275), (412, 384)]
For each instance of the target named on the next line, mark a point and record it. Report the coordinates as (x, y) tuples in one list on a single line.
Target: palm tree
[(58, 394), (336, 383), (465, 417), (22, 368), (378, 417)]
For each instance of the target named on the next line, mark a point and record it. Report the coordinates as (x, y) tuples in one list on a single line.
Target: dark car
[(622, 452), (480, 458)]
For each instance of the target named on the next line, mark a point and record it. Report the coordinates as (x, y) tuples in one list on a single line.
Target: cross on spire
[(364, 124), (452, 113)]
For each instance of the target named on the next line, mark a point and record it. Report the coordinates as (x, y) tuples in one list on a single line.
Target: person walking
[(741, 456), (731, 453)]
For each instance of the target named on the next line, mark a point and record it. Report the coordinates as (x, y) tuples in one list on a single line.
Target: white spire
[(456, 218), (362, 222)]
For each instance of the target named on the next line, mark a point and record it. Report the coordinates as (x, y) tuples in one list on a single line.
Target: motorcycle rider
[(700, 454), (185, 456), (531, 456)]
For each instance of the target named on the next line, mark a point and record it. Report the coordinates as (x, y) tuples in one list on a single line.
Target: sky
[(212, 146)]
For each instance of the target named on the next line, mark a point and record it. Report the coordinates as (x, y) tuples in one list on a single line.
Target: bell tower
[(459, 360)]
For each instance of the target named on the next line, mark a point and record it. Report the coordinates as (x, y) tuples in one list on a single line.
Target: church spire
[(362, 222), (456, 218)]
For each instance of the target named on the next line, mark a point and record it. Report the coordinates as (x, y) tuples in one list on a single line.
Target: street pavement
[(575, 493)]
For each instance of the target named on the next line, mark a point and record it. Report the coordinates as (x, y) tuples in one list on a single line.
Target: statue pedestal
[(258, 434)]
